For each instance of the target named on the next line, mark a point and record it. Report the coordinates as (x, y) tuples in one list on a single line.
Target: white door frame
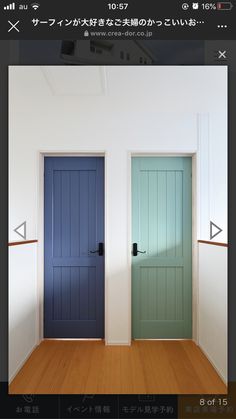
[(40, 235), (193, 155)]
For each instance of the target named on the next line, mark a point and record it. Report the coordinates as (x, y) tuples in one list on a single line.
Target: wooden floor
[(83, 367)]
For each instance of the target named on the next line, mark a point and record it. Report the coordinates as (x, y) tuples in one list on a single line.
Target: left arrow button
[(21, 230)]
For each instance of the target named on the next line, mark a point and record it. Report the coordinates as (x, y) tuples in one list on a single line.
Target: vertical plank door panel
[(162, 226), (74, 226)]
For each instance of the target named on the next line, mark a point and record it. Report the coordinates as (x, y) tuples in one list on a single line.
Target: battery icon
[(224, 5)]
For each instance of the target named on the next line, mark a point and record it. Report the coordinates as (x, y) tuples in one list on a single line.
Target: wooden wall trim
[(213, 243), (199, 241), (23, 242)]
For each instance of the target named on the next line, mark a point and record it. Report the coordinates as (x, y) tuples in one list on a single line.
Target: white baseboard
[(13, 375), (117, 342), (213, 364), (161, 339)]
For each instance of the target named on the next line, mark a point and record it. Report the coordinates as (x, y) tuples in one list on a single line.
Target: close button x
[(222, 55), (13, 26)]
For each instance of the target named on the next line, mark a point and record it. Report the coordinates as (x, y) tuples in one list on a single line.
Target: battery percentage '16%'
[(209, 6)]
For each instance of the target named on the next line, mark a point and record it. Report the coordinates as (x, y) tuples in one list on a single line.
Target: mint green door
[(162, 227)]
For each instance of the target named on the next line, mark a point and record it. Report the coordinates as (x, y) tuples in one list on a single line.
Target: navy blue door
[(74, 227)]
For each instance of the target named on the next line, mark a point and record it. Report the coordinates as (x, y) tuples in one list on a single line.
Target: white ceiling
[(68, 81), (180, 84)]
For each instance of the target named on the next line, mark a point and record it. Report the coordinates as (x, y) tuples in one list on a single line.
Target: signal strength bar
[(11, 6)]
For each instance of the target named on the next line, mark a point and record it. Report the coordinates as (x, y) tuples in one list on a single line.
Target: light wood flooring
[(91, 367)]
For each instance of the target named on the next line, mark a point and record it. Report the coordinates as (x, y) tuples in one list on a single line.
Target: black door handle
[(100, 250), (135, 249)]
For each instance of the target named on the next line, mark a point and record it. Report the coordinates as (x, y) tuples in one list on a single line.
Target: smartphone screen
[(117, 209)]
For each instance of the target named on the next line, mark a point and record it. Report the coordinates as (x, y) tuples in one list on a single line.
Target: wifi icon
[(35, 6)]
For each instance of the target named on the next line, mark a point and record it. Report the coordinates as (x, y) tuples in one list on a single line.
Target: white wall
[(213, 305), (138, 109), (22, 304)]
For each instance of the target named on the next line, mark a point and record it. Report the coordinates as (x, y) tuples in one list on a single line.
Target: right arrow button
[(214, 230)]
